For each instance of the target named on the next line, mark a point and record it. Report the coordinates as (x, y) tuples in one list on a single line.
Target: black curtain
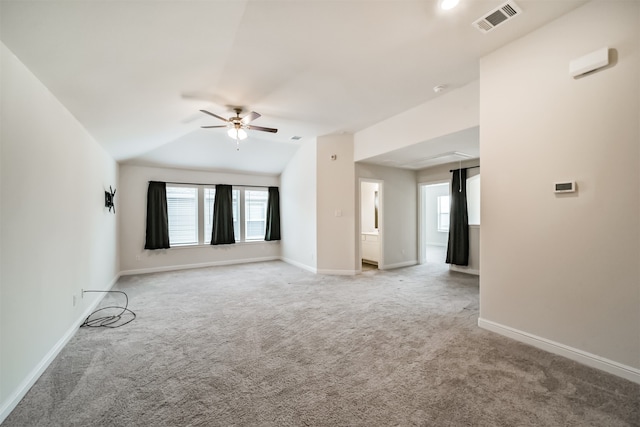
[(157, 218), (458, 247), (222, 232), (273, 215)]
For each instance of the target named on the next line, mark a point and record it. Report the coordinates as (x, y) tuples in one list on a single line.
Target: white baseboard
[(338, 272), (317, 271), (589, 359), (464, 270), (16, 396), (299, 265), (199, 265), (398, 265)]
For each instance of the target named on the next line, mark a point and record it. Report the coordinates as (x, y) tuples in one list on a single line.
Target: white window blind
[(255, 214), (182, 207), (473, 199), (190, 210), (209, 197), (236, 214), (444, 206)]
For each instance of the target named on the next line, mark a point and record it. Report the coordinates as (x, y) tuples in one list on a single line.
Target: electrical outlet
[(82, 293), (74, 300), (137, 257)]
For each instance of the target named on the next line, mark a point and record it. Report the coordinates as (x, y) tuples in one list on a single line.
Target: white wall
[(561, 271), (134, 181), (454, 111), (440, 173), (399, 214), (473, 264), (298, 208), (57, 236), (368, 206), (336, 206)]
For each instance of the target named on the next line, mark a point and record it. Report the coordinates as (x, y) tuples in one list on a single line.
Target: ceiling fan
[(237, 124)]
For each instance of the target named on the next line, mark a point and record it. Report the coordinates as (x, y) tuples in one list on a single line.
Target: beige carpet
[(268, 344)]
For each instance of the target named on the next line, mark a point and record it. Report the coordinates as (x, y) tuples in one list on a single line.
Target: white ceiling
[(455, 147), (135, 73)]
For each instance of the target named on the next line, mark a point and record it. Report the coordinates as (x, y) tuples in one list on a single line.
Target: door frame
[(422, 253), (380, 220)]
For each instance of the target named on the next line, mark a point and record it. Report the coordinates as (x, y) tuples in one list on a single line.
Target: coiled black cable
[(109, 321)]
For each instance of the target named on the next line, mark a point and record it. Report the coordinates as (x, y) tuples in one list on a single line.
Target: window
[(209, 197), (473, 199), (182, 207), (444, 205), (190, 212), (236, 215), (255, 214)]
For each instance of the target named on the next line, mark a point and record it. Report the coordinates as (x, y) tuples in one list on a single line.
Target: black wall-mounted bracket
[(109, 199)]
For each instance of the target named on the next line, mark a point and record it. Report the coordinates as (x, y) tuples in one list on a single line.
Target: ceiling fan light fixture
[(239, 134), (448, 4), (236, 125)]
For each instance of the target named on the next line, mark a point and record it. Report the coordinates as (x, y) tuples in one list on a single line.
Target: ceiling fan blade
[(272, 130), (250, 117), (211, 127), (215, 115)]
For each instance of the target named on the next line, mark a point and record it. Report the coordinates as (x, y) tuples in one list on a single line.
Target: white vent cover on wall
[(497, 16)]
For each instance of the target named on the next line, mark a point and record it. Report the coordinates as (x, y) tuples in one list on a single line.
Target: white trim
[(422, 250), (210, 246), (380, 183), (436, 182), (199, 265), (316, 271), (338, 272), (464, 270), (589, 359), (23, 388), (398, 265), (422, 245), (299, 265)]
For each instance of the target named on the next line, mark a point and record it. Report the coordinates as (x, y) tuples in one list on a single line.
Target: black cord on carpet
[(109, 321)]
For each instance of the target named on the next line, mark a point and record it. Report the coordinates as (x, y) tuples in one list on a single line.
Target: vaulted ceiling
[(135, 73)]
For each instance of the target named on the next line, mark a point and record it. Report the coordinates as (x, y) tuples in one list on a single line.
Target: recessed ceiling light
[(448, 4)]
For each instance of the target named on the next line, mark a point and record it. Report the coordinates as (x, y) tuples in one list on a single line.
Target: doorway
[(371, 253), (434, 222)]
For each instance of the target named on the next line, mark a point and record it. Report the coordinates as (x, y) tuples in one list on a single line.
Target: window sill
[(207, 245)]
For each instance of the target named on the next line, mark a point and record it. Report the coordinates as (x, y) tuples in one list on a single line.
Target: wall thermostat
[(564, 187)]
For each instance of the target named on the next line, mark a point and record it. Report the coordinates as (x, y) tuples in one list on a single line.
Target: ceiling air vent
[(438, 159), (497, 16)]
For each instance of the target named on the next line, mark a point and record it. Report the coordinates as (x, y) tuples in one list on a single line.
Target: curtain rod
[(470, 167), (213, 185)]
